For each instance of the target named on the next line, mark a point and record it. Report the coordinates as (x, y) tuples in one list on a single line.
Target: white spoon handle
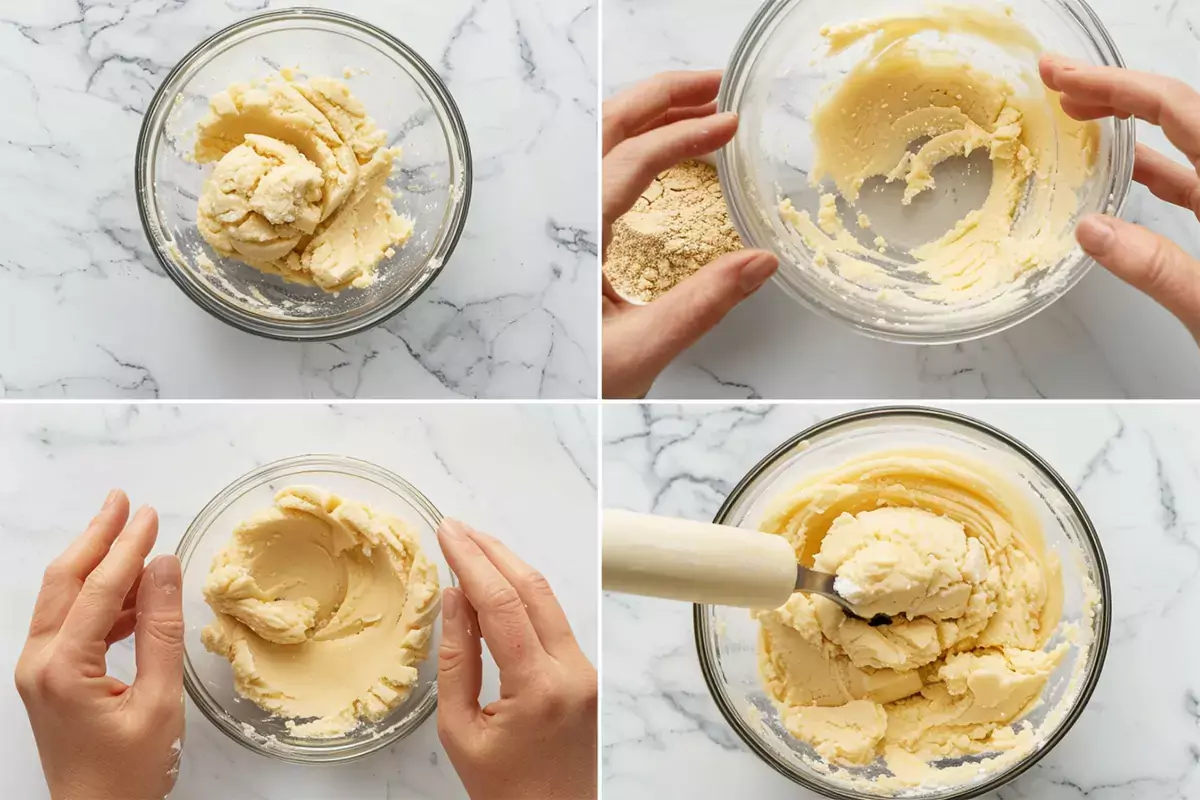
[(699, 562)]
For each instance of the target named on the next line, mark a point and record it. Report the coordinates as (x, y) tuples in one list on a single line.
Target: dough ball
[(903, 561), (261, 198)]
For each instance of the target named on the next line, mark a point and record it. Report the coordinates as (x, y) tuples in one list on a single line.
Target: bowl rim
[(200, 524), (1124, 142), (308, 331), (700, 622)]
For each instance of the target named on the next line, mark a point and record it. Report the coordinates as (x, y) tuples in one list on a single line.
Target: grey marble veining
[(86, 310), (1135, 468), (526, 474), (1103, 340)]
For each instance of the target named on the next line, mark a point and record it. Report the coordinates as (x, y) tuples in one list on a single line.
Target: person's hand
[(647, 129), (538, 741), (1147, 261), (98, 738)]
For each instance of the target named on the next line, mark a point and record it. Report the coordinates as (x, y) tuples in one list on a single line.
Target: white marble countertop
[(86, 310), (1134, 468), (1102, 340), (525, 474)]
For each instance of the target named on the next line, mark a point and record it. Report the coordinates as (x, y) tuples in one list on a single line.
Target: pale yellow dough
[(955, 553), (300, 183), (324, 608), (904, 92)]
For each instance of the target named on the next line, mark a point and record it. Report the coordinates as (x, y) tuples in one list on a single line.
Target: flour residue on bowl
[(896, 128)]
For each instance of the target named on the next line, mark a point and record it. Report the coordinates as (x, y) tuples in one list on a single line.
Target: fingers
[(631, 165), (1172, 105), (548, 618), (503, 620), (1146, 261), (158, 637), (460, 662), (1088, 111), (634, 109), (608, 294), (66, 574), (679, 114), (653, 335), (1166, 179), (126, 620), (123, 627), (99, 602)]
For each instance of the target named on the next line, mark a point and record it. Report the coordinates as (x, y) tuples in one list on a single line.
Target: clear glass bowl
[(726, 638), (400, 90), (774, 83), (208, 678)]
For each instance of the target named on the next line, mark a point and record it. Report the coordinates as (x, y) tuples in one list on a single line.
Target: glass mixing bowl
[(726, 638), (407, 99), (208, 678), (776, 77)]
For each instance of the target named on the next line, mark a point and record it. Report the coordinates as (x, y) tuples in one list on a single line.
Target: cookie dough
[(324, 608), (300, 183), (955, 554), (906, 108)]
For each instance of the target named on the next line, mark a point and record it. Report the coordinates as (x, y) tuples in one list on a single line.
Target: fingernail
[(451, 604), (453, 529), (166, 573), (1062, 61), (1095, 233), (756, 272), (112, 498)]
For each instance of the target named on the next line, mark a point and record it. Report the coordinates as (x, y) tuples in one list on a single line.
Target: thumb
[(158, 636), (460, 664), (677, 320), (1146, 261)]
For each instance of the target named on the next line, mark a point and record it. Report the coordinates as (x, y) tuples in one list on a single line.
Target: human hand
[(538, 741), (647, 129), (99, 739), (1145, 260)]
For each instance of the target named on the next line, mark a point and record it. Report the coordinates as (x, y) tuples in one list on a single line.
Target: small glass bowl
[(773, 82), (208, 678), (727, 638), (432, 180)]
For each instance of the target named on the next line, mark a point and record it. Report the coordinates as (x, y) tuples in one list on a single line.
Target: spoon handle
[(699, 562)]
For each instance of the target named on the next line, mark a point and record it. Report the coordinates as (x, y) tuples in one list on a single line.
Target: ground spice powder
[(679, 224)]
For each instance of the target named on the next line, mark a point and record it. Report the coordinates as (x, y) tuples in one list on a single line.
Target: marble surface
[(1134, 467), (86, 310), (1103, 340), (491, 465)]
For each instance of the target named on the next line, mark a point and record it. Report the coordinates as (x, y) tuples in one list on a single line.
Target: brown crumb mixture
[(679, 224)]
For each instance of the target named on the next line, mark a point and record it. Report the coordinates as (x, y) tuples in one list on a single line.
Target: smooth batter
[(325, 608), (300, 183), (955, 554), (908, 107)]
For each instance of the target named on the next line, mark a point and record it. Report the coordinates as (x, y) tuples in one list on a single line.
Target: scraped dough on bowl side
[(907, 107)]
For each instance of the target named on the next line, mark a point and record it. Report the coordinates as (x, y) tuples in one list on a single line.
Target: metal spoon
[(813, 582)]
